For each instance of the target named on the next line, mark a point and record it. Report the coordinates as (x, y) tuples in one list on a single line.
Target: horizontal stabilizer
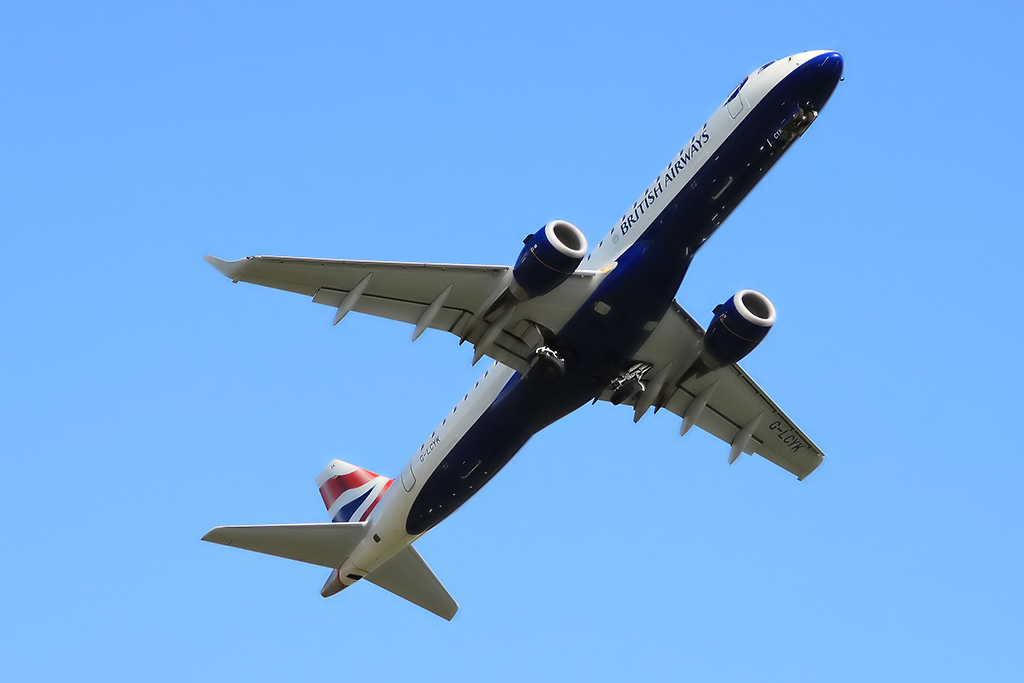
[(327, 545), (408, 576)]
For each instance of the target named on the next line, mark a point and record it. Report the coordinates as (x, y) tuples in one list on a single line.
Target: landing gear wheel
[(548, 363), (626, 391)]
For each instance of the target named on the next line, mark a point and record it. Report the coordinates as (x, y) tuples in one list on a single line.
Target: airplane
[(563, 328)]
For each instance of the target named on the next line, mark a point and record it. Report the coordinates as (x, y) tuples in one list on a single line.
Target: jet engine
[(549, 257), (739, 325)]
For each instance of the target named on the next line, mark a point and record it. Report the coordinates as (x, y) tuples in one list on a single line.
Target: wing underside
[(464, 300), (726, 403)]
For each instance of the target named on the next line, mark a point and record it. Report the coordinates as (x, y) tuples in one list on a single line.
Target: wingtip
[(216, 535), (821, 459), (226, 268)]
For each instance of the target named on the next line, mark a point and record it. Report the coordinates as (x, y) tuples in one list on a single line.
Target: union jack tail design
[(349, 492)]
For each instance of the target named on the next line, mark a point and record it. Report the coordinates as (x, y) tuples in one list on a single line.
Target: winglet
[(228, 268)]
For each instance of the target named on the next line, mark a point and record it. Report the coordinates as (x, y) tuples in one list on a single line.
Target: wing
[(726, 403), (469, 301)]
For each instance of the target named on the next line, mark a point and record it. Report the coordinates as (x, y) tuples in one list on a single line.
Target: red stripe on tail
[(335, 486)]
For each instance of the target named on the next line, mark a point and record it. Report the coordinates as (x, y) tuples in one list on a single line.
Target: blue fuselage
[(599, 341)]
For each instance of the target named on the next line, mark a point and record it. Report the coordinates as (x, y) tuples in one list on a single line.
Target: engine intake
[(549, 258), (739, 326)]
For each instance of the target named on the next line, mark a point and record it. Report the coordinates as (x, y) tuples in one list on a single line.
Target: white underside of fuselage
[(388, 521)]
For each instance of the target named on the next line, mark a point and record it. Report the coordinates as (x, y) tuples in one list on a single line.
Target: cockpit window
[(766, 66), (736, 91)]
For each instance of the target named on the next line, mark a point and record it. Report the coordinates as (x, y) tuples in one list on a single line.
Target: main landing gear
[(628, 384), (548, 362)]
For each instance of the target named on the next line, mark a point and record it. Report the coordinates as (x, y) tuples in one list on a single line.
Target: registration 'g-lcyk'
[(563, 328)]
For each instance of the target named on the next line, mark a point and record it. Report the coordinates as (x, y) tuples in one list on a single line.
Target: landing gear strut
[(628, 384)]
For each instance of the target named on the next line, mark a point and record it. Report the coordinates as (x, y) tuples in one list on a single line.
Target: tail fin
[(350, 493)]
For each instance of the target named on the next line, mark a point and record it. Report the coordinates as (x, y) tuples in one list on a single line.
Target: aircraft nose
[(821, 74), (833, 61), (828, 66)]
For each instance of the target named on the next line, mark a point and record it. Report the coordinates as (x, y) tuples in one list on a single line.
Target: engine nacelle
[(549, 257), (739, 325)]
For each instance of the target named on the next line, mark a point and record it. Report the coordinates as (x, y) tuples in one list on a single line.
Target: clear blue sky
[(146, 398)]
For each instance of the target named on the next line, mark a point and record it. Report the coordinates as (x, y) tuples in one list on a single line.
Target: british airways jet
[(564, 328)]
